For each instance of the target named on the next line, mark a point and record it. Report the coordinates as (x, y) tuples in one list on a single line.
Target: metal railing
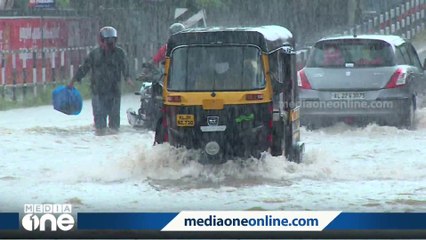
[(33, 68)]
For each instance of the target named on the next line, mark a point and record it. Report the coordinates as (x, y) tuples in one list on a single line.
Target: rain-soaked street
[(51, 157)]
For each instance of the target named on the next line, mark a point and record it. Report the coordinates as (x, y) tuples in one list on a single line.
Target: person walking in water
[(108, 64)]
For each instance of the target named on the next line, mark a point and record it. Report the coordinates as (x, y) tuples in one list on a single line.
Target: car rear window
[(351, 53)]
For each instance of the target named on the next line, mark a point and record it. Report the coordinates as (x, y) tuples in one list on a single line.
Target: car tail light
[(254, 97), (398, 79), (174, 99), (302, 80)]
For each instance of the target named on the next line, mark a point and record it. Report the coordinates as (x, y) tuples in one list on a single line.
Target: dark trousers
[(106, 106)]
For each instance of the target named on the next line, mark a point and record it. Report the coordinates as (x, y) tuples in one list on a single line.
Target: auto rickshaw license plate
[(185, 120)]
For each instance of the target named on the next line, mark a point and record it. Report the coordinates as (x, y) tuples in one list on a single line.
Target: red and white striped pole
[(71, 62), (14, 76), (136, 60), (3, 73), (24, 56), (62, 51), (43, 67), (53, 65), (35, 72)]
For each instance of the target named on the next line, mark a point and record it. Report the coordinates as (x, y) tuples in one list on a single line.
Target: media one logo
[(40, 216)]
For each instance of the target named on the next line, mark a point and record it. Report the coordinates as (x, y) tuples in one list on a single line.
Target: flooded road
[(54, 158)]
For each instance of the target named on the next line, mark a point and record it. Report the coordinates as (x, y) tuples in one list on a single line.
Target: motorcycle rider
[(151, 72), (107, 64), (158, 58), (149, 113)]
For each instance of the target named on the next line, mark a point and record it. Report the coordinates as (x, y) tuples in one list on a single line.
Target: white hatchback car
[(361, 79)]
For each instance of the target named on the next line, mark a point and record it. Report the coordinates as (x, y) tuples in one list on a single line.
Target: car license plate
[(347, 95), (185, 120)]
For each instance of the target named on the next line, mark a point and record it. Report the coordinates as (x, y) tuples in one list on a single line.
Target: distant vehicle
[(225, 91), (361, 79)]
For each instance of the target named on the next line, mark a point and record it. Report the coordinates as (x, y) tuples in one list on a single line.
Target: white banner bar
[(251, 221)]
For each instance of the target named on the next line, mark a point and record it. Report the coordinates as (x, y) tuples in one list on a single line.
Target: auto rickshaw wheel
[(277, 139), (160, 132)]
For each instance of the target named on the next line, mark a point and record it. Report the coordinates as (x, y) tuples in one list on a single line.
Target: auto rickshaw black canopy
[(268, 38)]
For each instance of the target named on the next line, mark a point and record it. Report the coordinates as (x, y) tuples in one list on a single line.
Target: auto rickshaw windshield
[(216, 68)]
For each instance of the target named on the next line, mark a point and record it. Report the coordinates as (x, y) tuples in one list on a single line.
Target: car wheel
[(408, 119)]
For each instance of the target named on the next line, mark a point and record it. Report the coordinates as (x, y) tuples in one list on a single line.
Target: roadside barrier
[(406, 19), (28, 69)]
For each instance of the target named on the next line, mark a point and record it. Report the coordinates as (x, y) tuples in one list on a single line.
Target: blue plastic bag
[(67, 100)]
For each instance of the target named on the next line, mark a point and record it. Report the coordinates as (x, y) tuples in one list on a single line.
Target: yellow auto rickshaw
[(232, 92)]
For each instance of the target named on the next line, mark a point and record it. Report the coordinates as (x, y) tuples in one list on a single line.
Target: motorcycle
[(151, 99)]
